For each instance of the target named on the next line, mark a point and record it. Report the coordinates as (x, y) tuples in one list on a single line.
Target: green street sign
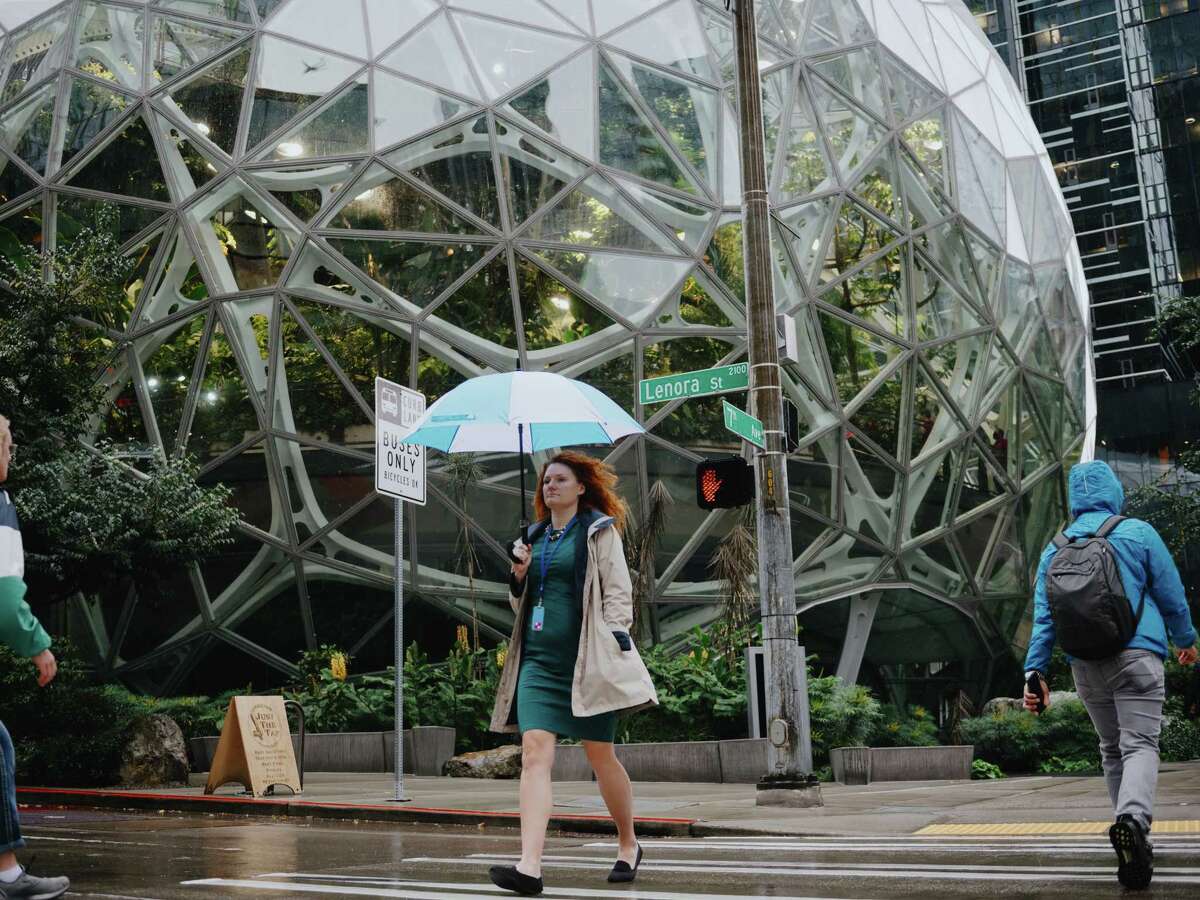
[(702, 383), (743, 425)]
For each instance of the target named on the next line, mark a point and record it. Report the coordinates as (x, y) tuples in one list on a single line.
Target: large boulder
[(156, 755), (998, 705), (503, 762)]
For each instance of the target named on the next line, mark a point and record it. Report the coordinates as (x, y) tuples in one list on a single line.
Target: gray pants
[(1124, 697)]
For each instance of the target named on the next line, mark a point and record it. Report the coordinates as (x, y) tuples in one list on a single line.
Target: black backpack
[(1092, 615)]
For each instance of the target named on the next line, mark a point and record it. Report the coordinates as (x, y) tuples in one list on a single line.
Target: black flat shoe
[(511, 879), (1135, 858), (622, 872)]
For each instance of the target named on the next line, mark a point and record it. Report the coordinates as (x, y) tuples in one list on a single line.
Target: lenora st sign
[(701, 383)]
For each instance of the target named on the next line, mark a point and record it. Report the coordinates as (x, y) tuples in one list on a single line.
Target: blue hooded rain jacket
[(1146, 567)]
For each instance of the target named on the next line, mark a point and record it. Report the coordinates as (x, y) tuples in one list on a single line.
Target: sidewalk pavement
[(1011, 806)]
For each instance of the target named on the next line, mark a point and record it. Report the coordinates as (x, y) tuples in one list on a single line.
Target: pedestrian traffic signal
[(724, 483)]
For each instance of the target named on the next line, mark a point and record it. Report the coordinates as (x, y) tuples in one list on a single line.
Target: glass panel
[(233, 10), (688, 221), (959, 366), (945, 245), (909, 93), (594, 214), (834, 23), (363, 347), (339, 129), (930, 493), (76, 213), (806, 227), (1037, 450), (111, 309), (123, 426), (340, 27), (389, 21), (404, 108), (934, 424), (804, 167), (433, 54), (275, 622), (169, 363), (553, 315), (506, 56), (212, 101), (1042, 514), (304, 189), (630, 286), (941, 311), (563, 104), (26, 127), (415, 271), (483, 306), (614, 379), (857, 355), (879, 416), (128, 164), (35, 50), (629, 142), (927, 138), (435, 377), (813, 476), (724, 255), (179, 285), (1001, 424), (313, 402), (180, 45), (857, 235), (878, 187), (853, 135), (688, 112), (343, 614), (382, 201), (166, 604), (108, 43), (872, 493), (21, 229), (857, 74), (224, 414), (457, 163), (289, 79), (844, 563), (13, 180), (534, 172), (935, 567), (670, 37), (697, 307), (254, 247), (875, 293), (184, 157)]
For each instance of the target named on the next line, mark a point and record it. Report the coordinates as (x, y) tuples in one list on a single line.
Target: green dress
[(548, 655)]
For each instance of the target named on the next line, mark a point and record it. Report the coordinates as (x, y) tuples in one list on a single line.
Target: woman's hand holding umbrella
[(521, 554)]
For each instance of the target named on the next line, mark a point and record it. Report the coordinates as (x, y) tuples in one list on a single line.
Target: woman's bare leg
[(537, 759), (617, 791)]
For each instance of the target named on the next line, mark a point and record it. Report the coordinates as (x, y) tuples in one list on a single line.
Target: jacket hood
[(1094, 488)]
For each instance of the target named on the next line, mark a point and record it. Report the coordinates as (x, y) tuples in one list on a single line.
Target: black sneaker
[(30, 887), (512, 879), (1135, 856)]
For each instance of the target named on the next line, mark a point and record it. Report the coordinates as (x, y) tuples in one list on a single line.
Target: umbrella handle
[(521, 465)]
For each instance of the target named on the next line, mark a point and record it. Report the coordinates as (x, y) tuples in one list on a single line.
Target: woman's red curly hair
[(599, 482)]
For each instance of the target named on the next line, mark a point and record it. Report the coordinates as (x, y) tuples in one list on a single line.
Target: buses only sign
[(399, 467)]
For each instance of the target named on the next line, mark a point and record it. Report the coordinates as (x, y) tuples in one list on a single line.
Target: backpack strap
[(1109, 524), (1061, 540)]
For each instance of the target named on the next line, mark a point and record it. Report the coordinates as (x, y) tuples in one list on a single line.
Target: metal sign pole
[(398, 574)]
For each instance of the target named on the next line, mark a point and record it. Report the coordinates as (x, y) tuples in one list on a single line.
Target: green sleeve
[(19, 627)]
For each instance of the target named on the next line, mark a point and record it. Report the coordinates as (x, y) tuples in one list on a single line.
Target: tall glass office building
[(318, 192)]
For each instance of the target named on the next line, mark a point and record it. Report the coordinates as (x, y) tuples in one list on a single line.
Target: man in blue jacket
[(24, 635), (1124, 694)]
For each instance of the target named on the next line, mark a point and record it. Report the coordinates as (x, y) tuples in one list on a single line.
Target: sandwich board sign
[(399, 467), (255, 748)]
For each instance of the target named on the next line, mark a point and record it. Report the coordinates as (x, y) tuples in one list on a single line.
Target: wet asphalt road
[(118, 856)]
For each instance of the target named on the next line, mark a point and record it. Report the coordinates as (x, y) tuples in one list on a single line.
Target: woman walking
[(571, 664)]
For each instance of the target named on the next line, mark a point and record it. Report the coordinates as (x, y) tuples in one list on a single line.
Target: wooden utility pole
[(788, 781)]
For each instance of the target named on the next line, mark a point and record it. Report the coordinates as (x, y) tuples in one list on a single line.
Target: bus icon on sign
[(389, 402)]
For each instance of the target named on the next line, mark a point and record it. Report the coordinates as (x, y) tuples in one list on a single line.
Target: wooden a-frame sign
[(255, 748)]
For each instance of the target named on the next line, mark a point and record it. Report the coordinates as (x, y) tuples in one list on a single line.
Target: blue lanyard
[(545, 562)]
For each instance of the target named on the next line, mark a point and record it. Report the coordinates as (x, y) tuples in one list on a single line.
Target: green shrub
[(981, 769), (842, 715), (1019, 741), (911, 727), (1056, 765), (1180, 740), (71, 732), (195, 716)]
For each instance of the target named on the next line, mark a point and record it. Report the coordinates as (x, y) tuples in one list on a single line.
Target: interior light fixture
[(561, 302), (934, 144), (211, 396), (202, 127), (1190, 120), (290, 149), (152, 382)]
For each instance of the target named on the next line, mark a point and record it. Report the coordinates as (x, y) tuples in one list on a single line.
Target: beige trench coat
[(607, 678)]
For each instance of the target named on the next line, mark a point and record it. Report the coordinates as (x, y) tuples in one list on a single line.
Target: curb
[(399, 814)]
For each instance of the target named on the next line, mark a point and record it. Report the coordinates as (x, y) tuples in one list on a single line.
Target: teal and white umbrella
[(521, 412)]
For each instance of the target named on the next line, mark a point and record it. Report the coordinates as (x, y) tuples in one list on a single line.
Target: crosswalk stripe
[(1045, 873), (1169, 826), (1091, 848), (420, 890)]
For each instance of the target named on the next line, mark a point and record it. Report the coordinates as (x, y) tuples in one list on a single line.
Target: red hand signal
[(710, 484)]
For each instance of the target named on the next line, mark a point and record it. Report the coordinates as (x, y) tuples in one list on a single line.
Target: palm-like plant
[(641, 543), (463, 470), (735, 566)]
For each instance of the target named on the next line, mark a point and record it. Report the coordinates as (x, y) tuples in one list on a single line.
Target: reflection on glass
[(382, 201), (457, 163), (255, 247), (415, 271), (506, 56), (128, 164), (34, 50), (289, 79), (304, 189), (857, 355), (169, 361), (212, 100), (181, 44), (77, 213), (594, 214), (630, 286), (628, 141), (26, 128), (563, 105), (483, 306), (552, 313), (224, 415)]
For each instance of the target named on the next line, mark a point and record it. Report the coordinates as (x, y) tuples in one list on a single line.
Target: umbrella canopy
[(521, 412)]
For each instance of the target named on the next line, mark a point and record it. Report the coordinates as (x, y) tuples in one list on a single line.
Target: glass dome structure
[(318, 192)]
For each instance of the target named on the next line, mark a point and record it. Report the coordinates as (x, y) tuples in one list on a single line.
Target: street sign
[(701, 383), (744, 425), (399, 467)]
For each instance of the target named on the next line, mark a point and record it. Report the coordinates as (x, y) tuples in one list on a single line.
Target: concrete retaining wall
[(863, 765), (356, 751)]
